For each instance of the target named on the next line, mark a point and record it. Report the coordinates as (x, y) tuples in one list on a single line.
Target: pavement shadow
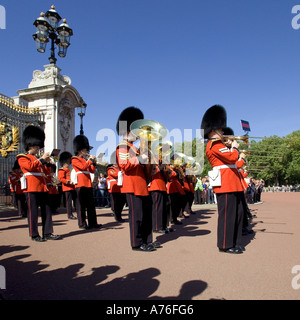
[(188, 290), (32, 280), (189, 227)]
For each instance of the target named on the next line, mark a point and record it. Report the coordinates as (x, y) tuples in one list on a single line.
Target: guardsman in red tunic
[(34, 183), (175, 192), (84, 189), (185, 198), (117, 198), (134, 184), (241, 161), (68, 187), (230, 191), (190, 193), (15, 184), (158, 192)]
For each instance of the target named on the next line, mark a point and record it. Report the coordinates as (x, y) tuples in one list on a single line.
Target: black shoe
[(170, 229), (231, 250), (38, 239), (156, 244), (72, 217), (51, 236), (240, 247), (177, 222), (120, 220), (95, 226), (83, 226), (160, 231), (144, 247)]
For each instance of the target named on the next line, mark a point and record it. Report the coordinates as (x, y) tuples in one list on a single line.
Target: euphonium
[(163, 151), (148, 131), (195, 169)]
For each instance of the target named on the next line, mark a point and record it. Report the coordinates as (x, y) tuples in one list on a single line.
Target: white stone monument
[(53, 94)]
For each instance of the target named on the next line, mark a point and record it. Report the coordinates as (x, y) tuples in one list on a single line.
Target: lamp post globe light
[(47, 28), (81, 113)]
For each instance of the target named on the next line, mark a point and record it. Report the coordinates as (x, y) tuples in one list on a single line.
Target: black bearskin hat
[(33, 136), (228, 132), (16, 165), (130, 115), (214, 118), (65, 157), (80, 142)]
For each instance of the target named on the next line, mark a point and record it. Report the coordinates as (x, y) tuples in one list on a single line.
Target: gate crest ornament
[(9, 138)]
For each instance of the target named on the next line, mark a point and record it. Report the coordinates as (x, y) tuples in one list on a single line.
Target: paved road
[(99, 264)]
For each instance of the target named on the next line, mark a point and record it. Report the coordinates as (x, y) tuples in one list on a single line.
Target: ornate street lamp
[(47, 28), (81, 113)]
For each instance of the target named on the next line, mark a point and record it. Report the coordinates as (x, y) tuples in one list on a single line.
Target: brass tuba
[(148, 131)]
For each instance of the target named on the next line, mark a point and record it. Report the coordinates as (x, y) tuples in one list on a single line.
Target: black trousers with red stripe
[(175, 201), (34, 201), (86, 205), (117, 200), (140, 220), (159, 210), (71, 197), (21, 203), (230, 219)]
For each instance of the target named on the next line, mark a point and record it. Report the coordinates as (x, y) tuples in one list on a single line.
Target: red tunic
[(186, 185), (173, 185), (65, 179), (52, 189), (218, 155), (112, 180), (34, 171), (157, 183), (134, 180), (14, 181), (84, 168)]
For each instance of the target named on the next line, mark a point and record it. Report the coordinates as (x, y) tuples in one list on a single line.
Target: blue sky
[(171, 58)]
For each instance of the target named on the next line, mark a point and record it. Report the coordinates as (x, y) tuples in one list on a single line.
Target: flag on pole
[(245, 125)]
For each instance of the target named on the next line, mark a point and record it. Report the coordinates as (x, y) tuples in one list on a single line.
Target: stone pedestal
[(56, 99)]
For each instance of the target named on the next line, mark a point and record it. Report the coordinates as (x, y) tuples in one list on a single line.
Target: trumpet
[(238, 138), (92, 158), (53, 157)]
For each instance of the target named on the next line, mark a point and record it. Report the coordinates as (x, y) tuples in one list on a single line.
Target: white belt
[(24, 181), (34, 174), (226, 166), (109, 181), (87, 172)]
